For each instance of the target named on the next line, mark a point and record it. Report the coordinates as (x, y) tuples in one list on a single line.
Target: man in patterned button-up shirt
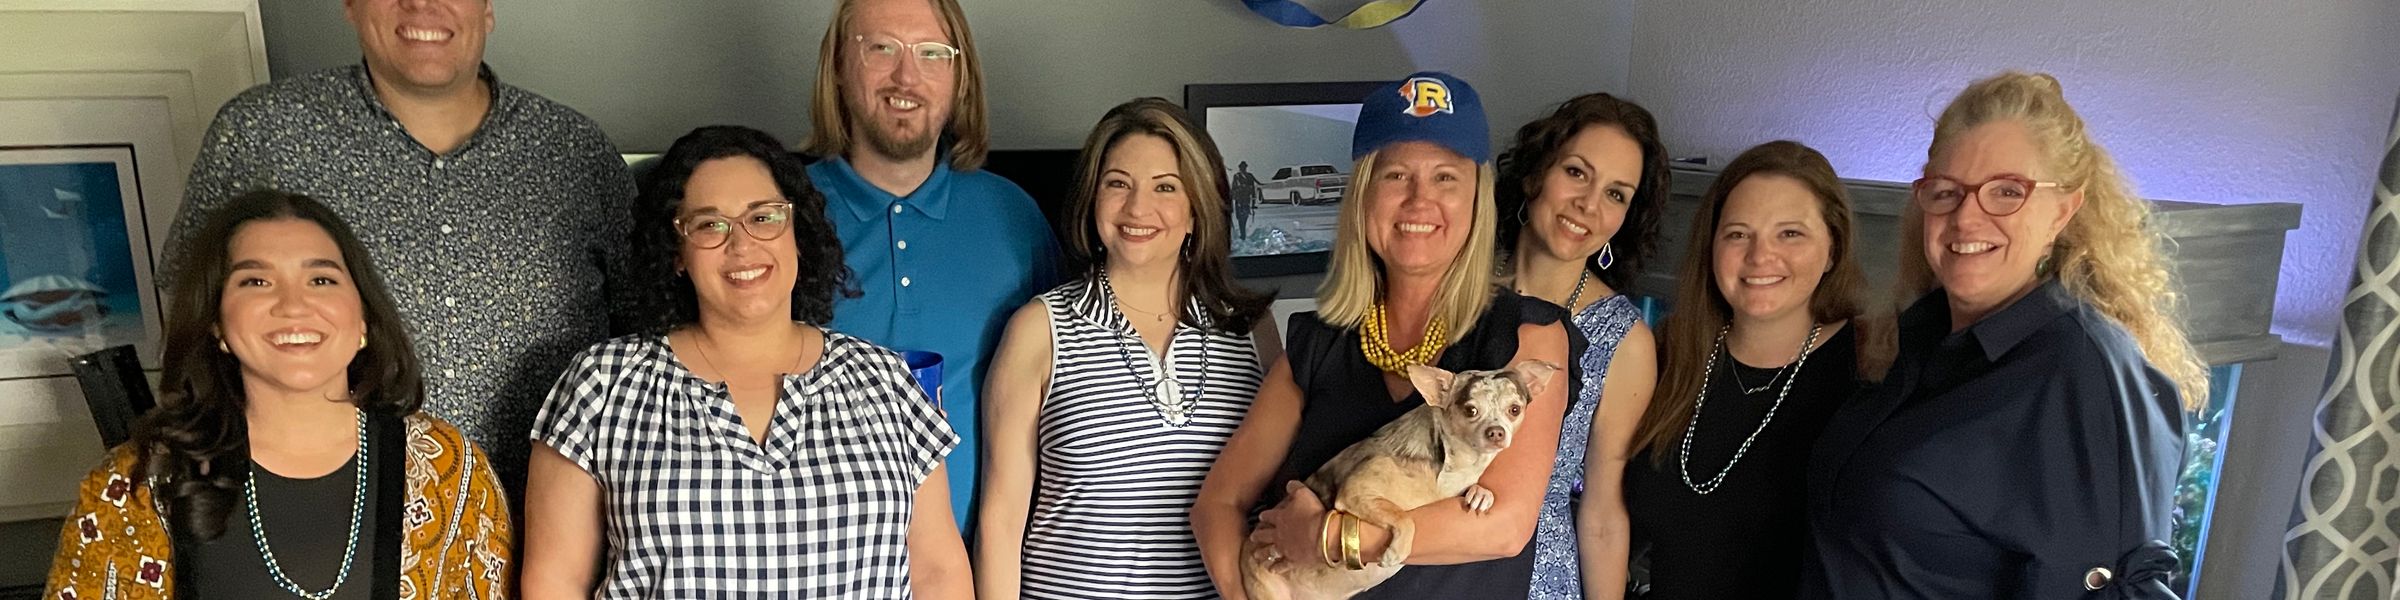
[(495, 214)]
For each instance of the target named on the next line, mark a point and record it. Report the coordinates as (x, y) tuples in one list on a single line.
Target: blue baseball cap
[(1429, 106)]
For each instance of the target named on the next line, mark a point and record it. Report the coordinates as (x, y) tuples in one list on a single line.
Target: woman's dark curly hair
[(672, 302), (1538, 148), (199, 420)]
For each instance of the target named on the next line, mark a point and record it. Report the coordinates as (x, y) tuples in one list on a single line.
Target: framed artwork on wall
[(75, 273), (1287, 157), (103, 108)]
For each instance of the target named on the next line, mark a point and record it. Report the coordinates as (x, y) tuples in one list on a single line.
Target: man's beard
[(889, 143)]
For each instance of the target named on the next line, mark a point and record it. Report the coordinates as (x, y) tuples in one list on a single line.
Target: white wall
[(649, 71), (2221, 101)]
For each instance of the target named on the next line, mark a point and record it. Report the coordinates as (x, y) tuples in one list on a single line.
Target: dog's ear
[(1431, 382), (1534, 375)]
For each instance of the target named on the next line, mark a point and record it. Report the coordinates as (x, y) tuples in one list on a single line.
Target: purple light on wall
[(2214, 102)]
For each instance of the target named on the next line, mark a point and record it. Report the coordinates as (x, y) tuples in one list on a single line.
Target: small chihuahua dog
[(1435, 452)]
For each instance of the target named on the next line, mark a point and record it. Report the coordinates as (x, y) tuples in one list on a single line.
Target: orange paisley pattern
[(457, 542)]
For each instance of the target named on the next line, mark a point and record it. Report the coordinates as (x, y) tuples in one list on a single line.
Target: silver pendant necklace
[(1572, 298), (358, 502), (1733, 367), (1683, 465), (1174, 403)]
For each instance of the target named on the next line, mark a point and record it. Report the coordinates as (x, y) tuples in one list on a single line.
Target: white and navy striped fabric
[(1116, 476), (695, 508)]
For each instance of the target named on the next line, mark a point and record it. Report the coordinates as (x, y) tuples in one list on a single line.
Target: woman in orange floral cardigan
[(288, 458)]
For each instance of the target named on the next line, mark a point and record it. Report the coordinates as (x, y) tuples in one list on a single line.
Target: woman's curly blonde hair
[(2109, 255)]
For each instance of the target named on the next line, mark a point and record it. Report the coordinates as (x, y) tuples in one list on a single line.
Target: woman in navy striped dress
[(1112, 394)]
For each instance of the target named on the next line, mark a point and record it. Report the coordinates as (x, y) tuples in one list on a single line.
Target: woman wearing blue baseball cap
[(1411, 283)]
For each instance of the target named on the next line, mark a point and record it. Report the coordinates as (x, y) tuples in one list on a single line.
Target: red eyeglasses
[(2002, 195)]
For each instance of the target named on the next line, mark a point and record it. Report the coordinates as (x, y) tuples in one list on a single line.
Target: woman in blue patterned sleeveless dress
[(1112, 394), (1586, 188)]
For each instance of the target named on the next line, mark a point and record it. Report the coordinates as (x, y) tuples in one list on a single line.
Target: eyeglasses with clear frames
[(2001, 196), (709, 231), (880, 53)]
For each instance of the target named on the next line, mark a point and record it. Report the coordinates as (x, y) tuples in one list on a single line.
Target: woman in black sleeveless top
[(1410, 283), (1767, 338)]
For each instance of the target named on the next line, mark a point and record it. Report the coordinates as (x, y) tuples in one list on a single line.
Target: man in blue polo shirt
[(941, 251)]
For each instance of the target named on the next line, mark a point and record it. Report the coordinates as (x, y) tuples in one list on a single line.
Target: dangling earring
[(1187, 248), (1608, 256), (2042, 268), (362, 341), (1521, 212), (221, 347)]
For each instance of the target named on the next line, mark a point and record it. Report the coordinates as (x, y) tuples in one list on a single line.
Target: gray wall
[(649, 71), (2218, 101)]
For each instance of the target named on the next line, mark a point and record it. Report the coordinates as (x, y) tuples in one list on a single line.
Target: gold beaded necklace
[(1376, 341)]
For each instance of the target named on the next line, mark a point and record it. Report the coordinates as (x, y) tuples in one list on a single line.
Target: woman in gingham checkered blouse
[(739, 450)]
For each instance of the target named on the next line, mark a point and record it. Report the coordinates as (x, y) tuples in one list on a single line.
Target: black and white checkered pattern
[(695, 509)]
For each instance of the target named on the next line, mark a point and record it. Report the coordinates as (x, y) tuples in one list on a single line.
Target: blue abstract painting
[(68, 277)]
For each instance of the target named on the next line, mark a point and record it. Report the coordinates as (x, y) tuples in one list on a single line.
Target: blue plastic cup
[(927, 368)]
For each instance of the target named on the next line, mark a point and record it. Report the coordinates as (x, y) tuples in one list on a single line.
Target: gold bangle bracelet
[(1329, 540), (1350, 558)]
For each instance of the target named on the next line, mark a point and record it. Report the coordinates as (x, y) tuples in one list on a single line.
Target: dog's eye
[(1470, 412), (1516, 409)]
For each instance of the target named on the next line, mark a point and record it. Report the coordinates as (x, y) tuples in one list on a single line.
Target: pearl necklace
[(1684, 465)]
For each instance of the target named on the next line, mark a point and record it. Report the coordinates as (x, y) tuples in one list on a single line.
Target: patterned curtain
[(2345, 537)]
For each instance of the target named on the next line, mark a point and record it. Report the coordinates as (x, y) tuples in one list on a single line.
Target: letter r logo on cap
[(1426, 96)]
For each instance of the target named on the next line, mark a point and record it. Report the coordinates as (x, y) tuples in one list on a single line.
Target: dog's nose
[(1495, 434)]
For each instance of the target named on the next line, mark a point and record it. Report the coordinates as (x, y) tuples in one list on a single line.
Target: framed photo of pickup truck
[(1287, 160)]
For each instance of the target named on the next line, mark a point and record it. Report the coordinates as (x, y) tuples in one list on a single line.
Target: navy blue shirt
[(940, 270), (2009, 459)]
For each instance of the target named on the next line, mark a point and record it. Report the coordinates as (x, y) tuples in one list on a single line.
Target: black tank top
[(1343, 400)]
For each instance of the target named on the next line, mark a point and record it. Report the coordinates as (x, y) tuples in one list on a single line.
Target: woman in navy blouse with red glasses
[(2026, 443)]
